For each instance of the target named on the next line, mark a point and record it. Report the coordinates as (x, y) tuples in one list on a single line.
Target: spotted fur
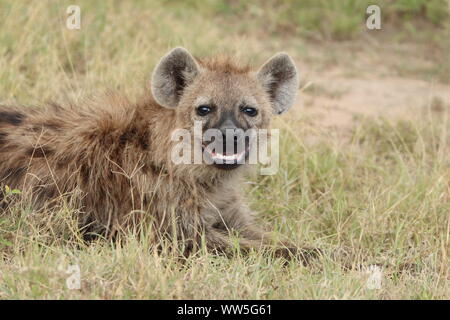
[(112, 156)]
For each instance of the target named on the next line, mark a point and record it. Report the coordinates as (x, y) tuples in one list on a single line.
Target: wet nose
[(230, 128)]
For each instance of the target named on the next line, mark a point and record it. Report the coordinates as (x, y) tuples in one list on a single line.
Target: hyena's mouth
[(224, 158)]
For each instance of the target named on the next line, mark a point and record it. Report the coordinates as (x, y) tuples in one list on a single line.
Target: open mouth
[(224, 158)]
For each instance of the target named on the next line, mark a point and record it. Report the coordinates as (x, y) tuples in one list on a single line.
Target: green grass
[(379, 197), (329, 19), (383, 199)]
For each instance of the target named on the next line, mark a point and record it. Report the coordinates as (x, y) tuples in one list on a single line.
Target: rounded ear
[(174, 72), (280, 78)]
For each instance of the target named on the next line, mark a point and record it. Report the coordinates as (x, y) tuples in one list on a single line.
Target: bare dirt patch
[(356, 97), (347, 82)]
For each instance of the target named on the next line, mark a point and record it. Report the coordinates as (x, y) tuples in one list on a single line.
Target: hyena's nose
[(231, 131)]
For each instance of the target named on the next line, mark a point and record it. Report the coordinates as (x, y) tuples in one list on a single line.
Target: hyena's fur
[(112, 158)]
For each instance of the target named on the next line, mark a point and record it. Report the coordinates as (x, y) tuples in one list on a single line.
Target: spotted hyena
[(111, 157)]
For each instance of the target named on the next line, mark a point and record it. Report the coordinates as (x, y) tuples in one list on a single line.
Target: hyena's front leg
[(279, 249), (240, 225)]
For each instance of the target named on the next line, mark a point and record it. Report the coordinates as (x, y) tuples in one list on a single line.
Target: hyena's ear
[(280, 78), (174, 72)]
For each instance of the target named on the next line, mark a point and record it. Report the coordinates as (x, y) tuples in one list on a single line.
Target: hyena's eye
[(203, 110), (250, 111)]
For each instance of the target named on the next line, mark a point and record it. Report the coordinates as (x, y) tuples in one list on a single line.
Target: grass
[(382, 200), (380, 197)]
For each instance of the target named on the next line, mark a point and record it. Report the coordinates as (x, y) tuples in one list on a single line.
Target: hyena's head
[(224, 100)]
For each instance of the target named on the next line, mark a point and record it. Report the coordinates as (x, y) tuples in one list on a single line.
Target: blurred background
[(345, 68), (364, 168)]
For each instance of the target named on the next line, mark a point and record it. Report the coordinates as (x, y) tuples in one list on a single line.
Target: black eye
[(252, 112), (203, 110)]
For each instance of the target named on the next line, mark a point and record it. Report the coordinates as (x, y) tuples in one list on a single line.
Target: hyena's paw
[(305, 255)]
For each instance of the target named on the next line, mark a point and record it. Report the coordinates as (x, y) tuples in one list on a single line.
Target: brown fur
[(112, 157), (224, 64)]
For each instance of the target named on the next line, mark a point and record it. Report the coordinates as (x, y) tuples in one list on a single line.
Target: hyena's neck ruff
[(113, 155), (112, 158)]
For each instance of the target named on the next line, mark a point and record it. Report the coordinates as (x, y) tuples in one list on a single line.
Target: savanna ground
[(364, 170)]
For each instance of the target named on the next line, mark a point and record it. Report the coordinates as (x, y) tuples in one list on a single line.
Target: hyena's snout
[(227, 146)]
